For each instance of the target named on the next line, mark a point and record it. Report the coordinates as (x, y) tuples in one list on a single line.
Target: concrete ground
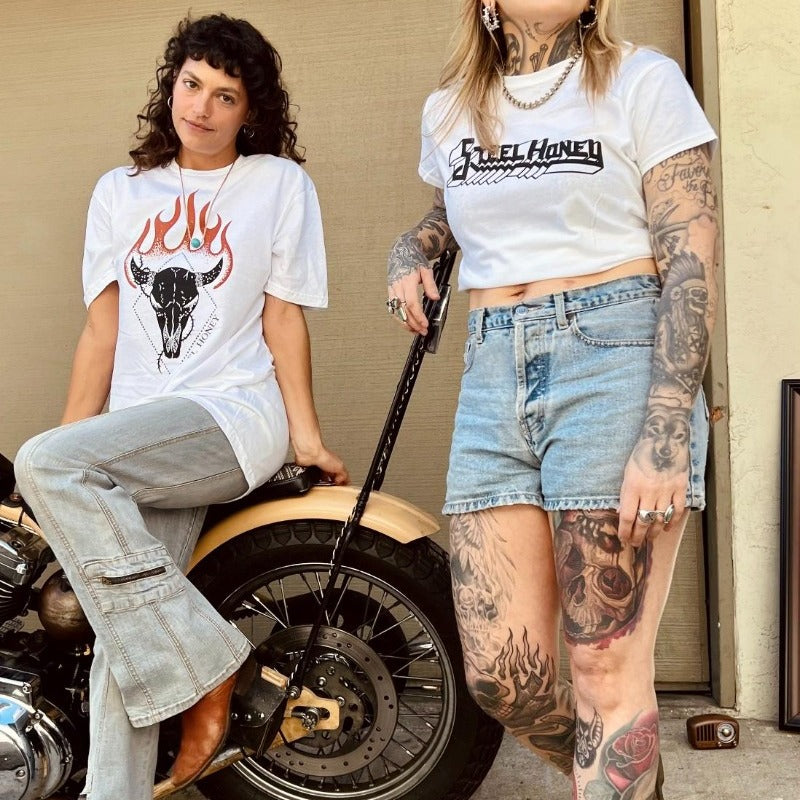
[(765, 765)]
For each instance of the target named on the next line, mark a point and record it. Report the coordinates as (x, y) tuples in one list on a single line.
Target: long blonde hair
[(474, 69)]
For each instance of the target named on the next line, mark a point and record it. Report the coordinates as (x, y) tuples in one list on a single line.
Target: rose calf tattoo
[(627, 762)]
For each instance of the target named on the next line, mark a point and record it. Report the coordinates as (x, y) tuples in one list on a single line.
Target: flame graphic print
[(177, 281), (215, 240)]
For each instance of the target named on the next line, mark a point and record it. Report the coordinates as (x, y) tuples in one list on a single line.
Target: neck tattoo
[(196, 238), (553, 89)]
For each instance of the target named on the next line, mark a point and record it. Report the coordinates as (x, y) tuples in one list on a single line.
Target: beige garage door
[(74, 75)]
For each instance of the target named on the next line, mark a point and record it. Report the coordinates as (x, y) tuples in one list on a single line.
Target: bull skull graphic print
[(175, 304)]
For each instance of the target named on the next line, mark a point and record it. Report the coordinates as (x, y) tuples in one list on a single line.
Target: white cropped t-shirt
[(563, 196), (190, 317)]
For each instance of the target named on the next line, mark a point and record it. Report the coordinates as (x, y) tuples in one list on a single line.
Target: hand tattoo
[(414, 249), (666, 430)]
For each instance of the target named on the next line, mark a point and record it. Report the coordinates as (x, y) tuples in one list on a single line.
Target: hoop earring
[(169, 102), (248, 131), (588, 19), (490, 18)]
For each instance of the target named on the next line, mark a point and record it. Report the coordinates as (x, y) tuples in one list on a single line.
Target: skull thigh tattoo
[(602, 583)]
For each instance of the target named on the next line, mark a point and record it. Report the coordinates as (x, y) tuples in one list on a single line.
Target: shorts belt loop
[(561, 311), (479, 325)]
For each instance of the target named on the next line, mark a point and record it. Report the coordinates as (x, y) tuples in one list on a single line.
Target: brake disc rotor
[(347, 669)]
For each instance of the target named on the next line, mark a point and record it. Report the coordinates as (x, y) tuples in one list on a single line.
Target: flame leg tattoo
[(511, 677)]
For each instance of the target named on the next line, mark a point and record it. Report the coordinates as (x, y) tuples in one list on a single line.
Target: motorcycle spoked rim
[(412, 773)]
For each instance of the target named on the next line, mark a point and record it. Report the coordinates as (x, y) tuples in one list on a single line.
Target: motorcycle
[(341, 590)]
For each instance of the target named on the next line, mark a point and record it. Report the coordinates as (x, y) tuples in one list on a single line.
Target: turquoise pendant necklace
[(196, 238)]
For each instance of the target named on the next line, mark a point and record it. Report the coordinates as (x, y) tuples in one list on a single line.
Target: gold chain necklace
[(196, 241), (573, 60)]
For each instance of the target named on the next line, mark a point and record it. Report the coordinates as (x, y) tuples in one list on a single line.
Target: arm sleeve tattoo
[(427, 240), (682, 213)]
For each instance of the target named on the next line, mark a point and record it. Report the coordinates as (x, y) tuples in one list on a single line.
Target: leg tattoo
[(588, 736), (521, 690), (482, 576), (602, 583), (511, 681), (628, 762)]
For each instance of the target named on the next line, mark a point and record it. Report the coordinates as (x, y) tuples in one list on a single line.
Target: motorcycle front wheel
[(389, 653)]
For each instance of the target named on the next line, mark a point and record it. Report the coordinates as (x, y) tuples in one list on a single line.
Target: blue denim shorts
[(553, 400)]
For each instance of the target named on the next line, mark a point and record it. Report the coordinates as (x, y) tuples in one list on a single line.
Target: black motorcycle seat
[(290, 479)]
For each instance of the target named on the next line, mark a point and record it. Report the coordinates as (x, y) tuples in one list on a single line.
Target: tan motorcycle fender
[(385, 513)]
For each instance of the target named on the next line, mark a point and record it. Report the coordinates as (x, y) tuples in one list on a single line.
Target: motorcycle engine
[(35, 748), (43, 673), (23, 556)]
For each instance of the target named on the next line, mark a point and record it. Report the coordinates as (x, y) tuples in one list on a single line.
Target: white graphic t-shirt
[(190, 311), (563, 195)]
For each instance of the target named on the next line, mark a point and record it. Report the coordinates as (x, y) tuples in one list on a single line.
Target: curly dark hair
[(235, 46)]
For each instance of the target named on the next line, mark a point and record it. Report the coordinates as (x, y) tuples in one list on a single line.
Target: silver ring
[(394, 305), (649, 517)]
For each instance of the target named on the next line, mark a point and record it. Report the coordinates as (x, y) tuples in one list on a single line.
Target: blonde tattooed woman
[(572, 169)]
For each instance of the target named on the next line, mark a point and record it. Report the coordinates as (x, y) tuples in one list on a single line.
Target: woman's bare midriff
[(508, 295)]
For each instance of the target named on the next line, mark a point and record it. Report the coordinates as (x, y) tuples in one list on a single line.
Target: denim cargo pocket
[(131, 581), (631, 323)]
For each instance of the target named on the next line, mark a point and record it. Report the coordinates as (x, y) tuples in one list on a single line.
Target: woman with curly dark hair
[(197, 265)]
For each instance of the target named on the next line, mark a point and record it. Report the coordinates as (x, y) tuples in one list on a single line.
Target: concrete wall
[(759, 86)]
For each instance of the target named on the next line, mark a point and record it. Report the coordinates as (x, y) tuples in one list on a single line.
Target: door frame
[(701, 39)]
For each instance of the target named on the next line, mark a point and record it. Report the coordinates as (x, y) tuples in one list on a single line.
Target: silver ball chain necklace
[(573, 60)]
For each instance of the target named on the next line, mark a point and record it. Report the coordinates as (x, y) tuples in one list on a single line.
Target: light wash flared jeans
[(121, 498)]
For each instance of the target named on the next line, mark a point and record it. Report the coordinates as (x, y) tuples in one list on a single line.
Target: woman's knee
[(517, 691), (608, 676), (29, 460), (42, 459)]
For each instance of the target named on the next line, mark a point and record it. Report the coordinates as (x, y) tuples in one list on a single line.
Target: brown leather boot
[(204, 728)]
